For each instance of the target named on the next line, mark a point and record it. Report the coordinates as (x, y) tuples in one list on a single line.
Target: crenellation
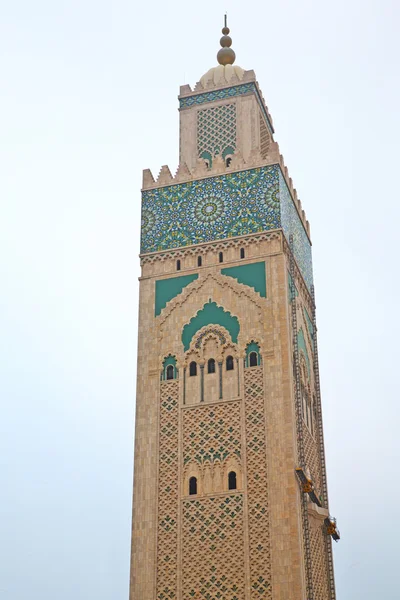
[(165, 176), (148, 179), (182, 173), (185, 90), (264, 104), (249, 76), (201, 169), (293, 193)]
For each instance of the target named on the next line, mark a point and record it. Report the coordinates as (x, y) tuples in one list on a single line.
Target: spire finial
[(226, 55)]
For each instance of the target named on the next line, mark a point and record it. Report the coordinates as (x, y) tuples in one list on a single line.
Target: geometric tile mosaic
[(221, 207), (210, 209), (292, 225)]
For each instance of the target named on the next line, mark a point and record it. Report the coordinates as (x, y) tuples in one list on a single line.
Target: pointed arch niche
[(210, 347), (213, 314)]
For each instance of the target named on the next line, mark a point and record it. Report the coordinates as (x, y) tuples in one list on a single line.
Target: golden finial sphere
[(225, 30), (226, 56), (226, 41)]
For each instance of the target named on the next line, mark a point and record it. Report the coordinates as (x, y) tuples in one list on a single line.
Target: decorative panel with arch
[(253, 356), (213, 314), (170, 370)]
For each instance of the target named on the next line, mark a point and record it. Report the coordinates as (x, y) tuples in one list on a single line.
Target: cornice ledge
[(186, 90), (202, 248)]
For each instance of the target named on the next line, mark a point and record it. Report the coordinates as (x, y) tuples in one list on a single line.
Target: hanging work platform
[(308, 486), (331, 528)]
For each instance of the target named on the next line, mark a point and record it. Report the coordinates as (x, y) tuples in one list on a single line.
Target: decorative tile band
[(230, 92), (210, 209), (292, 225), (221, 207)]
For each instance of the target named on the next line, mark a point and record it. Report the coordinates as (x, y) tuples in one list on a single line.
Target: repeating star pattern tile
[(210, 209), (221, 207), (292, 225)]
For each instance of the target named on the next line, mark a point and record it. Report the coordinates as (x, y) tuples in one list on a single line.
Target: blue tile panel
[(221, 207), (292, 225), (230, 92), (210, 209)]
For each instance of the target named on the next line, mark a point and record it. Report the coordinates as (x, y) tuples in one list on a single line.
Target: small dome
[(226, 70), (222, 75)]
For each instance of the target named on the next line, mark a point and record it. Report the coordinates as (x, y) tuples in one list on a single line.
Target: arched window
[(192, 369), (241, 252), (192, 486), (253, 359), (229, 363), (178, 265), (207, 158), (211, 365), (232, 484), (221, 257), (228, 161), (170, 370), (199, 261)]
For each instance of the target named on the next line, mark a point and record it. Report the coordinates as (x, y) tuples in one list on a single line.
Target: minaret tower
[(230, 488)]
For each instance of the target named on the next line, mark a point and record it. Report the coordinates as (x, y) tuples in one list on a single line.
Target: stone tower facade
[(230, 491)]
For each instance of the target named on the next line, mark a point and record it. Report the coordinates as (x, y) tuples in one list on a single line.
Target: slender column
[(238, 377), (201, 383), (220, 380), (184, 385)]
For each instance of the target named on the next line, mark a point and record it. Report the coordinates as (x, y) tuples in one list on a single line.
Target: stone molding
[(216, 245)]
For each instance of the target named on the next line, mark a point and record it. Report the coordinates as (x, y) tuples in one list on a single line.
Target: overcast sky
[(88, 97)]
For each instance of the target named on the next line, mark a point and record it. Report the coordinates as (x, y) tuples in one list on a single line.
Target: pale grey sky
[(88, 96)]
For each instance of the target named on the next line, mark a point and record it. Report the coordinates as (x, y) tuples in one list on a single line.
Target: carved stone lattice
[(311, 451), (168, 493), (213, 548), (318, 559), (257, 487), (216, 129), (265, 138), (211, 433)]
